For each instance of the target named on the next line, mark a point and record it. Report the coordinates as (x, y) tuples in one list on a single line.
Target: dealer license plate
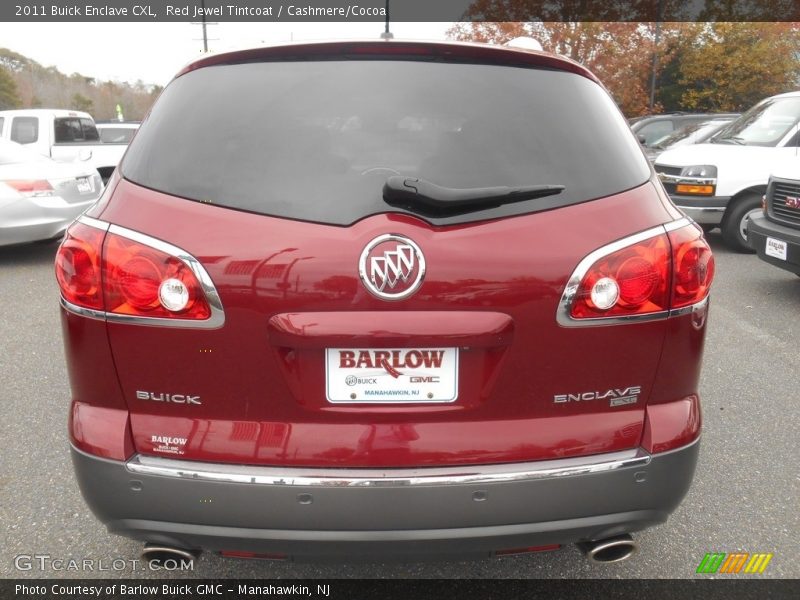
[(775, 248), (84, 185), (391, 375)]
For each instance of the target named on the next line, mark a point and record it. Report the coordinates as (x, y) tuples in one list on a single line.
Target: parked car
[(775, 234), (117, 132), (63, 135), (39, 197), (356, 318), (720, 184), (694, 133), (652, 128)]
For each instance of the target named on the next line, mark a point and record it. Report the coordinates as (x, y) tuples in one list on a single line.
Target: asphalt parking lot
[(744, 498)]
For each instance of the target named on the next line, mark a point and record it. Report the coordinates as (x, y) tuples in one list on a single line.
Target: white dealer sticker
[(775, 248), (391, 375)]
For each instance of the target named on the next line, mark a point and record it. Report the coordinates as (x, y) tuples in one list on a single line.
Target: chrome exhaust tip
[(609, 550), (158, 555)]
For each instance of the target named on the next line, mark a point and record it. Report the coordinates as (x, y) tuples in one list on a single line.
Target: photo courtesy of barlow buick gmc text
[(411, 324)]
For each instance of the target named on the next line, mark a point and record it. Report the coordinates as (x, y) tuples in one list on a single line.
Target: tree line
[(24, 83), (699, 67)]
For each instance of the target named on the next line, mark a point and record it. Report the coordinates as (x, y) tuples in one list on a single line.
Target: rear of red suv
[(384, 298)]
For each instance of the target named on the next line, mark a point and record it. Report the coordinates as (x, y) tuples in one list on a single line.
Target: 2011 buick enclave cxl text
[(361, 299)]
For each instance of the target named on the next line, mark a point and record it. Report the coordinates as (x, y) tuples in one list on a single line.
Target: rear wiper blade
[(424, 197)]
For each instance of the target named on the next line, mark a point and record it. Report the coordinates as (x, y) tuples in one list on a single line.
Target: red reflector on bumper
[(671, 425)]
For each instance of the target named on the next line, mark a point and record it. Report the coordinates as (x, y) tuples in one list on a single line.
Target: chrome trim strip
[(311, 477), (678, 179), (675, 225), (84, 312), (215, 321), (701, 208), (563, 316), (91, 222), (686, 310)]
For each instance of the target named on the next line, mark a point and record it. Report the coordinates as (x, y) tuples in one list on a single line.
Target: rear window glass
[(116, 135), (653, 132), (74, 129), (316, 141), (25, 130), (765, 124)]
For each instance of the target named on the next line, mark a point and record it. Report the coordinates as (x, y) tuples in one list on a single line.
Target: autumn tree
[(40, 86), (81, 102), (619, 53), (8, 90), (731, 66), (699, 67)]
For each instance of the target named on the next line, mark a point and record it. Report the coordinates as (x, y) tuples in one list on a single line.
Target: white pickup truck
[(721, 184), (63, 135)]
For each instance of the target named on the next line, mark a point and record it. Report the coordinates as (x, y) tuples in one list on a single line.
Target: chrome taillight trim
[(563, 316), (692, 308), (316, 477), (215, 321)]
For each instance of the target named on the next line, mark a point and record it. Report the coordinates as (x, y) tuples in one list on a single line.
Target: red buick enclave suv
[(384, 298)]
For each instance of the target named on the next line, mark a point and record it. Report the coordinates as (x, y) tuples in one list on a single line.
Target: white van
[(720, 184)]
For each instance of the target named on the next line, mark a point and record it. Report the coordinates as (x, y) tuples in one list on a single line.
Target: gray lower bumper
[(458, 511), (705, 211)]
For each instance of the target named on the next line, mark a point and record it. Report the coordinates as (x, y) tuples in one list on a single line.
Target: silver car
[(39, 197)]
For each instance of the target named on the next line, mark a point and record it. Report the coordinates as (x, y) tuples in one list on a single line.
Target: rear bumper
[(411, 513), (34, 219), (759, 228)]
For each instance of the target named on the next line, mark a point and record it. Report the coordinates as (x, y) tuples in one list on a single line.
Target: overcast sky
[(155, 52)]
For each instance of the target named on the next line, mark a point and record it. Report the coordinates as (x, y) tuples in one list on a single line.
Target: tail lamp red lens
[(78, 266), (693, 266), (133, 274), (662, 272), (31, 187), (109, 272), (641, 274)]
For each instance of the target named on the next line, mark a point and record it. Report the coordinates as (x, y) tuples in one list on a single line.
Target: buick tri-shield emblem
[(792, 202), (392, 267)]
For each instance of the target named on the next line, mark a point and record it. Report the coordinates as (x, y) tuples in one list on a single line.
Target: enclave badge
[(391, 267)]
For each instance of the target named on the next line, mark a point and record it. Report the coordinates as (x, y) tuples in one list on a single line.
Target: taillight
[(31, 187), (127, 276), (78, 266), (142, 281), (644, 276), (637, 277), (693, 266)]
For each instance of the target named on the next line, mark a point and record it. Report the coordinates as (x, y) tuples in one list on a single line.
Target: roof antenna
[(387, 35)]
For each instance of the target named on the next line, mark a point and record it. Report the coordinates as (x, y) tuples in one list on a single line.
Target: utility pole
[(204, 24), (387, 35), (659, 18)]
